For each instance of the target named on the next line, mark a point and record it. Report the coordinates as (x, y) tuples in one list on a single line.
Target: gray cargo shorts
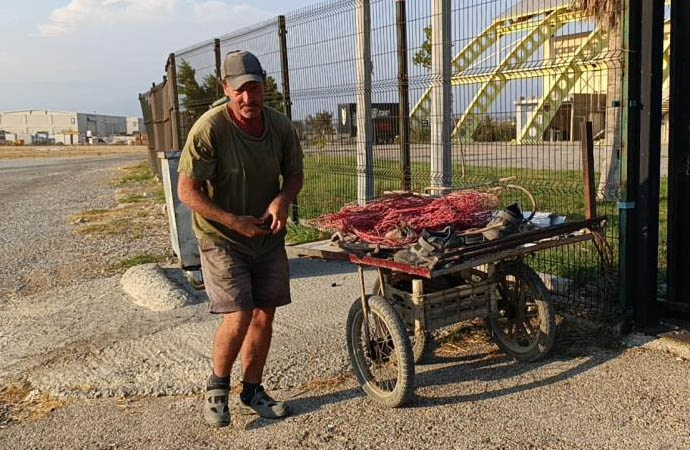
[(237, 282)]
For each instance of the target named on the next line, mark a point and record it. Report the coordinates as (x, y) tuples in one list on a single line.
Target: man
[(230, 173)]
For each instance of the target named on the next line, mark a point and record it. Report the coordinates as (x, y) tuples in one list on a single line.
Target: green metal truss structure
[(538, 25), (512, 67), (516, 58), (569, 74), (459, 64)]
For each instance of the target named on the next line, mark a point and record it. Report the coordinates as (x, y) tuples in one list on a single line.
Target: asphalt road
[(131, 378), (547, 156)]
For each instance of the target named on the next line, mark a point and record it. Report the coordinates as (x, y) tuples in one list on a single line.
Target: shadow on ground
[(305, 268), (499, 373)]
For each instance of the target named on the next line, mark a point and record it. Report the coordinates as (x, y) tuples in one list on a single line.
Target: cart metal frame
[(390, 326)]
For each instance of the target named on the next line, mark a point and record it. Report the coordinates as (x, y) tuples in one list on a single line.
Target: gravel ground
[(99, 372), (39, 249)]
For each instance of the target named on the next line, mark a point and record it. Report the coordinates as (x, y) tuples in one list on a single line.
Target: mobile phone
[(266, 224)]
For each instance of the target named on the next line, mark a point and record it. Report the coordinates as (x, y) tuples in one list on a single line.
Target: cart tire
[(384, 366), (421, 342), (529, 337)]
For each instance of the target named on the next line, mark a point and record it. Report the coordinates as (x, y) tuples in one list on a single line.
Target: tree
[(196, 98), (320, 127), (321, 124), (607, 14), (423, 56), (272, 96), (491, 130)]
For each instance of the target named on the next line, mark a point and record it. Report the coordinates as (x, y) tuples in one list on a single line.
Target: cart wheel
[(383, 365), (421, 341), (525, 326)]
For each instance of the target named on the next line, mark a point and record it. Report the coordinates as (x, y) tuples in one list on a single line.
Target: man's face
[(248, 100)]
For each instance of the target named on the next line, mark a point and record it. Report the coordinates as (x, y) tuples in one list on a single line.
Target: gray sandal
[(263, 405), (216, 411)]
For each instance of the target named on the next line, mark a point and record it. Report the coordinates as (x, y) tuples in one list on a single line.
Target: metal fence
[(447, 94), (160, 110)]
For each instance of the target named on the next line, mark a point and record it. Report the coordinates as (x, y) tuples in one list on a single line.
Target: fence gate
[(677, 300)]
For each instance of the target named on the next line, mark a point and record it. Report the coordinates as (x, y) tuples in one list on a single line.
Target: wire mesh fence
[(197, 82), (664, 166), (523, 77), (526, 75), (262, 40)]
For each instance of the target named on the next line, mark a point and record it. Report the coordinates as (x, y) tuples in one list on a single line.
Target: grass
[(133, 198), (142, 258), (139, 191), (125, 218), (299, 234), (141, 173), (331, 182), (139, 184)]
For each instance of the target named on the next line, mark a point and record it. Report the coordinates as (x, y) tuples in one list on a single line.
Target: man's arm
[(292, 186), (278, 209), (191, 194)]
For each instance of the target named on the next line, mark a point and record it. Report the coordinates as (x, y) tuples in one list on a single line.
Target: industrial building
[(61, 127), (135, 125)]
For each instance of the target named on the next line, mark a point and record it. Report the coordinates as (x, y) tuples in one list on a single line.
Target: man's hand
[(277, 211), (248, 226)]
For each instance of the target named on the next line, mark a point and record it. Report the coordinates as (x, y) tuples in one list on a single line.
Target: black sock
[(215, 382), (248, 391)]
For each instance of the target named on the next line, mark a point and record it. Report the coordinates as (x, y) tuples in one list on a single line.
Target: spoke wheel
[(525, 326), (382, 361), (420, 341)]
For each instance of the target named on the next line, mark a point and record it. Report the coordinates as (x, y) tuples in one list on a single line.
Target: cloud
[(216, 10), (77, 13), (67, 19)]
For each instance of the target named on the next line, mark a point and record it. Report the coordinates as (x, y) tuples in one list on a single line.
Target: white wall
[(33, 121), (58, 122), (135, 125)]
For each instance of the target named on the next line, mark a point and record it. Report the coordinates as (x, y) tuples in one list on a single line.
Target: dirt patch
[(463, 339), (325, 384), (61, 151), (139, 215), (20, 403), (140, 208), (134, 220)]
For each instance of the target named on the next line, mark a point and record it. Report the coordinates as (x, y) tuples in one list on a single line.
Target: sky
[(98, 55)]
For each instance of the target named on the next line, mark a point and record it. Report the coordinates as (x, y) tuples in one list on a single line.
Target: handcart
[(388, 328)]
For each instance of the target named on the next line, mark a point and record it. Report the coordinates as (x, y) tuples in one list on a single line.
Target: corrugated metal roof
[(528, 7)]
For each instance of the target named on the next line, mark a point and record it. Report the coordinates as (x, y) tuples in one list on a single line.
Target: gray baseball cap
[(241, 67)]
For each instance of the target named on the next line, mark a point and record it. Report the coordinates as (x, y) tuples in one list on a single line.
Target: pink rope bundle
[(398, 219)]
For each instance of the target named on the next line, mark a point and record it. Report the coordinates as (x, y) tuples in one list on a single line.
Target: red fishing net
[(397, 219)]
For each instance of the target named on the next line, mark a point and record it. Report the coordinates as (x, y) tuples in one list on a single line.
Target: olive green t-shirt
[(241, 172)]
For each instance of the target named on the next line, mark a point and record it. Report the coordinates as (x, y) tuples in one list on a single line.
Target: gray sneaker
[(263, 405), (216, 411)]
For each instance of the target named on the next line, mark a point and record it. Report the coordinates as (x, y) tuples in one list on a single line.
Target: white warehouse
[(64, 127)]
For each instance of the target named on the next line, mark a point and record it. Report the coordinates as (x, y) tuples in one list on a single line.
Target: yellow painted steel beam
[(667, 61), (551, 101), (528, 22), (530, 72), (530, 43), (477, 46), (462, 61)]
